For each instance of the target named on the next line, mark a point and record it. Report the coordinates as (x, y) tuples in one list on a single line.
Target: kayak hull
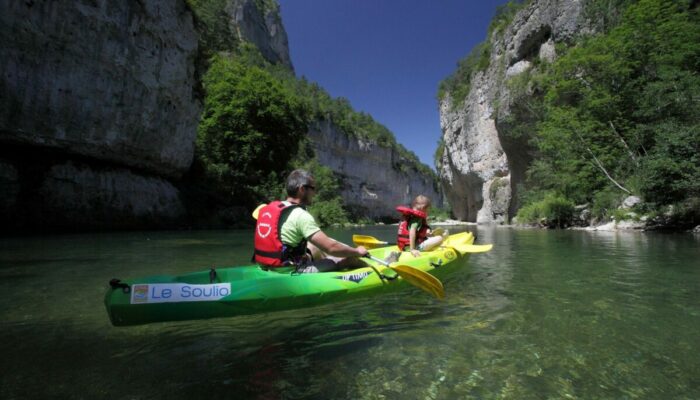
[(234, 291)]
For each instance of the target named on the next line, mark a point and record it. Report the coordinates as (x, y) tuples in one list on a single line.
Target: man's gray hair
[(297, 179)]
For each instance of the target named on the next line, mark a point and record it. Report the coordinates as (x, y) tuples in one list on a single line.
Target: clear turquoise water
[(544, 315)]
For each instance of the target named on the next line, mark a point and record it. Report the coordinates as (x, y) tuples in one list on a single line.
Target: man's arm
[(335, 248)]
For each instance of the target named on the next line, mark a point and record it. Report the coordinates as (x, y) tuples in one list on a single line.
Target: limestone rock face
[(263, 28), (112, 80), (106, 85), (113, 198), (9, 189), (375, 178), (482, 164), (630, 201), (99, 114)]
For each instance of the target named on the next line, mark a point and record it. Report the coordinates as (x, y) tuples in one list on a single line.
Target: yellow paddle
[(471, 248), (416, 277), (371, 242), (257, 210), (464, 248)]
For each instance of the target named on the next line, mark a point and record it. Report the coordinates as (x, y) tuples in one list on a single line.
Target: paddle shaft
[(379, 260)]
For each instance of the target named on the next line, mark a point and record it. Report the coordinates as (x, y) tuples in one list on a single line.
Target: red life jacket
[(269, 249), (403, 240)]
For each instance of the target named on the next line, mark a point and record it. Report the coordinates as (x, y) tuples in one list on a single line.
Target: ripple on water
[(543, 315)]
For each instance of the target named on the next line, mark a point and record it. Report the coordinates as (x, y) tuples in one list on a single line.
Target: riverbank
[(614, 226), (453, 222)]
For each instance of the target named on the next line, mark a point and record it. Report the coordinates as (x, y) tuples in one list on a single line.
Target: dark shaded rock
[(111, 80)]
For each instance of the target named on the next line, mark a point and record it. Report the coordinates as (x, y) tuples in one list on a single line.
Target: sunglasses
[(312, 187)]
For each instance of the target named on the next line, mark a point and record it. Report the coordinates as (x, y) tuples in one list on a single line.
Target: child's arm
[(412, 237)]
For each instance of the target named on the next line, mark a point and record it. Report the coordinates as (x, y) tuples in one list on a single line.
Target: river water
[(545, 314)]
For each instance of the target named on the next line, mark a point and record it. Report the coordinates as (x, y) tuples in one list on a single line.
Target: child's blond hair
[(421, 199)]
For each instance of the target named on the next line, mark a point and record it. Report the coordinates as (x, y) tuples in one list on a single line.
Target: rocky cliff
[(104, 90), (99, 107), (259, 23), (99, 110), (375, 179), (484, 161), (373, 183)]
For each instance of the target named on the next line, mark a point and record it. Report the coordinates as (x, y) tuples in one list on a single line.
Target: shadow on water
[(12, 262), (267, 356)]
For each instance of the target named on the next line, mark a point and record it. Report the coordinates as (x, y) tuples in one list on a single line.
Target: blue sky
[(386, 56)]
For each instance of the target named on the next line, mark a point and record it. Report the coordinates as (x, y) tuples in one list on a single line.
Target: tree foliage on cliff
[(248, 136), (458, 84), (213, 26), (622, 111), (338, 111), (328, 207), (250, 129), (357, 125)]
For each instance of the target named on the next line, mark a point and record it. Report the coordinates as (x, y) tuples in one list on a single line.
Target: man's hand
[(415, 253), (362, 251), (333, 247)]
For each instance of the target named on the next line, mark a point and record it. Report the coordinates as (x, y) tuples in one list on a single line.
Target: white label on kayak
[(178, 292), (355, 277)]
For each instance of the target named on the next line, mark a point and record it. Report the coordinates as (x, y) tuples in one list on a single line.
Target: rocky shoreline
[(643, 225), (614, 226)]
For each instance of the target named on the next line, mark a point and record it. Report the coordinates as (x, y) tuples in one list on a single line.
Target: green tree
[(622, 110), (328, 207), (671, 172), (250, 129), (554, 211)]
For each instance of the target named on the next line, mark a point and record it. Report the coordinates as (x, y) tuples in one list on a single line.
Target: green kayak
[(227, 292)]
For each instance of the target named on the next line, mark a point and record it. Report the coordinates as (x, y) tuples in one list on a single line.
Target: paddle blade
[(369, 242), (459, 239), (471, 248), (421, 279), (257, 210)]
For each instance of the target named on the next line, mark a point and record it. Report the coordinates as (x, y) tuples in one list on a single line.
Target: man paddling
[(286, 234)]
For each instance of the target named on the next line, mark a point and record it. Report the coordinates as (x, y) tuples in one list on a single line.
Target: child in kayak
[(414, 233)]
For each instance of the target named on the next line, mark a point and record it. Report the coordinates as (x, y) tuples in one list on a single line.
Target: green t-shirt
[(297, 225), (415, 222)]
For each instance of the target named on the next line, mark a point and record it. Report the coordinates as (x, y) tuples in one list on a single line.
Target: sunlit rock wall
[(375, 178), (483, 164)]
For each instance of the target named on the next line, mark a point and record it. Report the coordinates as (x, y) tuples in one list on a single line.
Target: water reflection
[(546, 314)]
